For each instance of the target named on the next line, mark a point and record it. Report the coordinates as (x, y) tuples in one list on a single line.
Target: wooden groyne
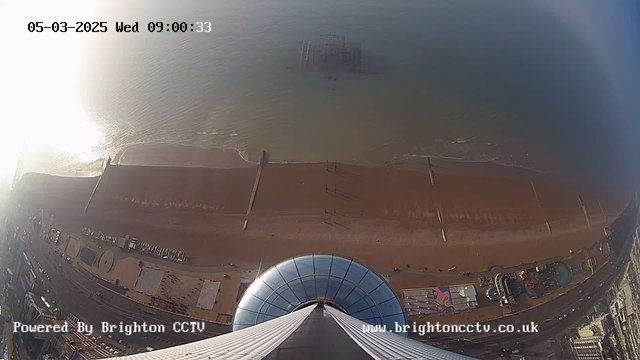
[(97, 184), (255, 186), (584, 210)]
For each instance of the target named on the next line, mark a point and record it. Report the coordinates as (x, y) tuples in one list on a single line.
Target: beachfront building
[(588, 348), (313, 306), (35, 311), (439, 300)]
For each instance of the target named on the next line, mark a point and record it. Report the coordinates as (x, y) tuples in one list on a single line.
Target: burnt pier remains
[(332, 53)]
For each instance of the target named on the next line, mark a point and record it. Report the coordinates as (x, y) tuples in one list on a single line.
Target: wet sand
[(382, 216)]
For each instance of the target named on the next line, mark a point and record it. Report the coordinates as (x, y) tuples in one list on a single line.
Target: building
[(588, 348), (75, 345), (443, 299), (597, 327), (8, 350), (56, 345), (5, 314), (314, 306), (624, 310), (35, 311)]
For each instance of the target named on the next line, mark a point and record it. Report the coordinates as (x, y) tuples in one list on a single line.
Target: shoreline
[(171, 155), (183, 156)]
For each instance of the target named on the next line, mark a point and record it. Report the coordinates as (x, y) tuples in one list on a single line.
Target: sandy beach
[(382, 216)]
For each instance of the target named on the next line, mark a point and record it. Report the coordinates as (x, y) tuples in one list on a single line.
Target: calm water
[(499, 81)]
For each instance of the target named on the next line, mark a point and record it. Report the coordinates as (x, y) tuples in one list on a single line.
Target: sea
[(496, 81)]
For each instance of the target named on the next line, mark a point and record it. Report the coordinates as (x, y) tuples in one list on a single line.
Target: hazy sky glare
[(612, 31)]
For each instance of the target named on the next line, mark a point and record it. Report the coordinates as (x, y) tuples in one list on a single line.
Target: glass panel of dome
[(382, 293), (321, 286), (237, 327), (288, 270), (261, 290), (376, 313), (343, 292), (364, 315), (309, 284), (358, 305), (298, 289), (304, 265), (370, 282), (370, 304), (339, 267), (265, 317), (253, 288), (391, 321), (286, 293), (272, 278), (332, 288), (273, 310), (250, 302), (280, 302), (355, 295), (356, 272), (369, 300), (389, 307), (243, 316), (322, 264)]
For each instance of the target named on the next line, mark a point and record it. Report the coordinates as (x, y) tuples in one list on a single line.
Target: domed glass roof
[(343, 283)]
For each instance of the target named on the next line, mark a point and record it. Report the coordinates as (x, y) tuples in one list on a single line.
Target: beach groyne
[(86, 208)]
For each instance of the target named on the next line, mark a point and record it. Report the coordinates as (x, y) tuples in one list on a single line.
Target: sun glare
[(42, 110)]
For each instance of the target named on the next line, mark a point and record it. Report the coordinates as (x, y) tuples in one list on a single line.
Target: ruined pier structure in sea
[(331, 54)]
